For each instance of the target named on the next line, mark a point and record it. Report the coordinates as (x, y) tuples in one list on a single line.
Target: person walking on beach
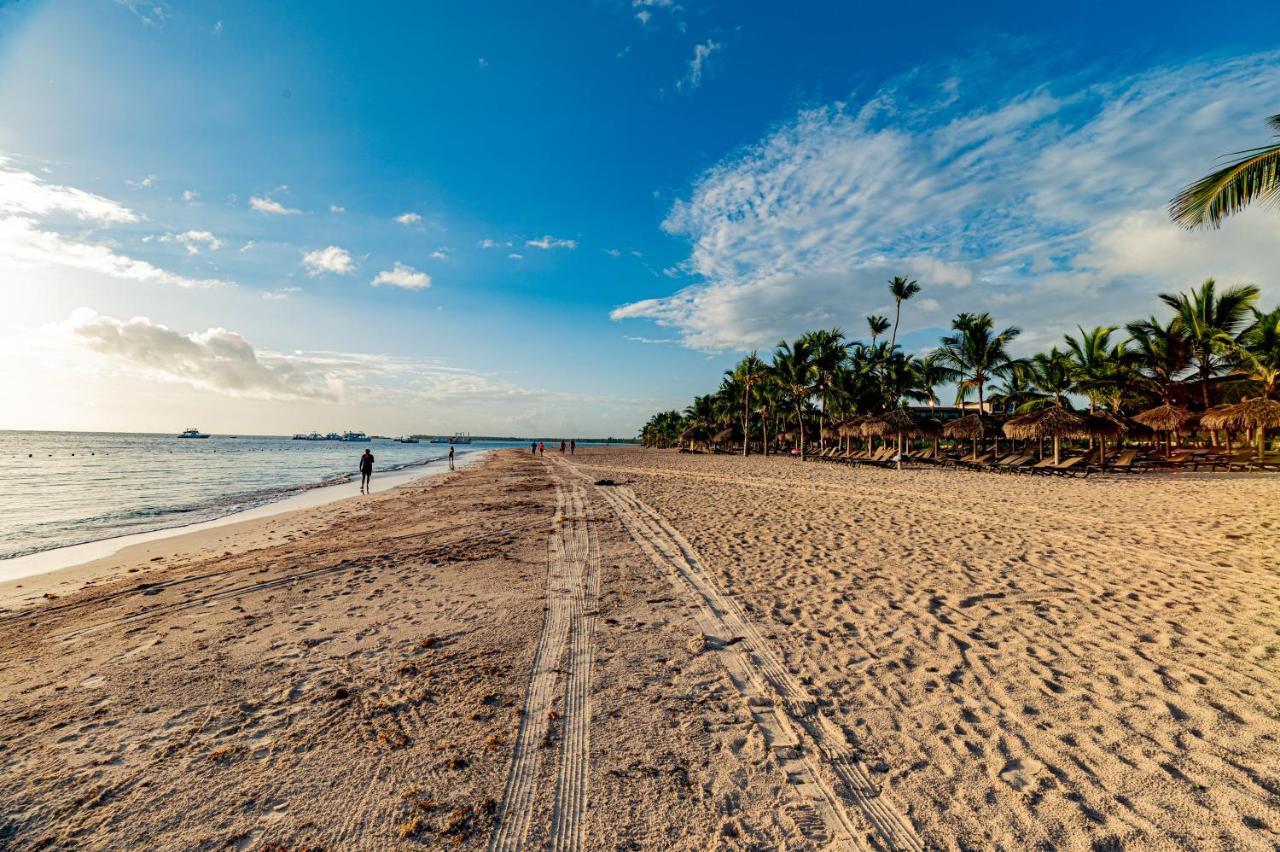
[(533, 448), (450, 457), (366, 471), (573, 445), (542, 449), (562, 448)]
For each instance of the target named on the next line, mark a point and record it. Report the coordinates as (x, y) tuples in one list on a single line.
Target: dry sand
[(714, 653)]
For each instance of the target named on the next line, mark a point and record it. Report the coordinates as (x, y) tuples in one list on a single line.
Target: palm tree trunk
[(897, 315), (800, 429), (746, 416)]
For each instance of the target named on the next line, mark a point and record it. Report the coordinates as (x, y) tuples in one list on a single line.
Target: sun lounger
[(1077, 466), (976, 461), (1011, 462), (1040, 466)]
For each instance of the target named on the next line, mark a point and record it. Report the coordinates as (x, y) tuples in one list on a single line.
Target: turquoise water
[(63, 488)]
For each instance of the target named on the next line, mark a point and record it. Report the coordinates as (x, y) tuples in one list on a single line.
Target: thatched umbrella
[(1051, 421), (850, 429), (974, 427), (724, 436), (1165, 418), (1103, 425), (692, 434), (1220, 418), (895, 422), (1261, 414)]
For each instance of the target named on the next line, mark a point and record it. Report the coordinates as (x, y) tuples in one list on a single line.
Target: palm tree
[(902, 289), (1210, 323), (1014, 392), (1256, 174), (1161, 355), (750, 372), (878, 325), (1051, 375), (768, 401), (793, 364), (1095, 362), (1256, 355), (829, 351), (974, 354)]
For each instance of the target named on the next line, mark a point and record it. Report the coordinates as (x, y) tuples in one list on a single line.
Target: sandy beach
[(639, 649)]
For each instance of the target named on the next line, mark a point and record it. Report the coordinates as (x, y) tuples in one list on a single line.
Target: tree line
[(1210, 346)]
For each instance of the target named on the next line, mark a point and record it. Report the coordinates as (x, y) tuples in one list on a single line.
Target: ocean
[(65, 488)]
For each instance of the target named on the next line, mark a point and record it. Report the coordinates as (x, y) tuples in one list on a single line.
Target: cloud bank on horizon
[(1046, 208)]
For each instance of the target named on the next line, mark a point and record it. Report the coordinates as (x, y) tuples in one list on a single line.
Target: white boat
[(333, 436), (355, 437), (407, 439), (456, 438), (308, 436), (193, 432)]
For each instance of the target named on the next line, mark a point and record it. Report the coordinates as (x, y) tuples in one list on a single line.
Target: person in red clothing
[(542, 449)]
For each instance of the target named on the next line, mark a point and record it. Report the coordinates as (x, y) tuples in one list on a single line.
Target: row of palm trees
[(1213, 346)]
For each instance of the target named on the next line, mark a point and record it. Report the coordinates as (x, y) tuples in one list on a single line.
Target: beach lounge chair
[(976, 461), (1076, 466), (1039, 467), (1124, 463), (1011, 462)]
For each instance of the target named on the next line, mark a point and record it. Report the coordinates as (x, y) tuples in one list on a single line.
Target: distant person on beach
[(542, 449), (533, 448), (573, 445), (562, 448), (366, 471), (450, 458)]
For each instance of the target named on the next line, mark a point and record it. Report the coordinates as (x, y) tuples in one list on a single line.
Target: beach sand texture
[(713, 653)]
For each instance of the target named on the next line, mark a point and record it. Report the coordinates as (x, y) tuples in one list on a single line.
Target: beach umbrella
[(1052, 421), (692, 434), (1165, 418), (1103, 425), (895, 422), (1220, 418), (973, 427), (1261, 414), (724, 436), (850, 429)]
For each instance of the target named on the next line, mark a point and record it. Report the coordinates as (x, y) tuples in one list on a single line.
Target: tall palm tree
[(750, 372), (974, 353), (793, 364), (878, 325), (1210, 323), (1051, 375), (901, 289), (1256, 174), (1013, 392)]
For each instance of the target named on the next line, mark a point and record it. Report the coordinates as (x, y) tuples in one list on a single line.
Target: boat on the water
[(355, 437), (407, 439), (193, 432), (333, 436), (308, 436), (456, 438)]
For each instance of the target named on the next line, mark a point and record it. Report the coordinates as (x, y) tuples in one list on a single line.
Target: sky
[(557, 218)]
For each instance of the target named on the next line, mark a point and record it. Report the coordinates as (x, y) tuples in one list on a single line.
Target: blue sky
[(576, 213)]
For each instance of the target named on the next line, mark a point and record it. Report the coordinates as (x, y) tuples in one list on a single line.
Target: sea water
[(65, 488)]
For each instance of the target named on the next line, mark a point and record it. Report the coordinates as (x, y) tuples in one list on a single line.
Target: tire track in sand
[(806, 744), (568, 631)]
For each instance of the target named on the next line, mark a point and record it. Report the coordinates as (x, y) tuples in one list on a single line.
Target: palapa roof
[(1105, 423), (1258, 412), (692, 433), (889, 423), (1219, 417), (1165, 418), (972, 426), (852, 427), (1047, 422), (830, 433), (724, 435)]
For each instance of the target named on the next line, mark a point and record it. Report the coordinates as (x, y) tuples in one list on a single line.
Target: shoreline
[(34, 574)]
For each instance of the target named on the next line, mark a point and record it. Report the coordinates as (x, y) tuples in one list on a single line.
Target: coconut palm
[(829, 351), (794, 366), (1051, 375), (1160, 354), (749, 372), (878, 326), (901, 289), (974, 354), (1256, 174), (1256, 355), (1096, 362), (1015, 390), (1210, 323)]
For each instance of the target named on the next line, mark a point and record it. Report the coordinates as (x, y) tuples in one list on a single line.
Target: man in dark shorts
[(366, 471), (450, 457), (573, 446)]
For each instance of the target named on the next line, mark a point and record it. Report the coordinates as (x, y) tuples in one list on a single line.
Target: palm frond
[(1229, 189)]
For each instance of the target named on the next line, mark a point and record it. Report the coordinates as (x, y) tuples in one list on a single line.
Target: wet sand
[(712, 653)]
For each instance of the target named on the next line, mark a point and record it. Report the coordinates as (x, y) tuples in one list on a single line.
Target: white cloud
[(548, 242), (25, 194), (1045, 207), (25, 244), (515, 256), (403, 276), (217, 29), (482, 62), (193, 241), (408, 218), (279, 295), (337, 208), (330, 259), (146, 183), (613, 252), (487, 243), (217, 359), (440, 254), (270, 205), (248, 246), (190, 195), (149, 12), (644, 16), (701, 53)]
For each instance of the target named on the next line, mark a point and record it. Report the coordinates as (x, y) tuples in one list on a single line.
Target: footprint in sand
[(1021, 774)]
